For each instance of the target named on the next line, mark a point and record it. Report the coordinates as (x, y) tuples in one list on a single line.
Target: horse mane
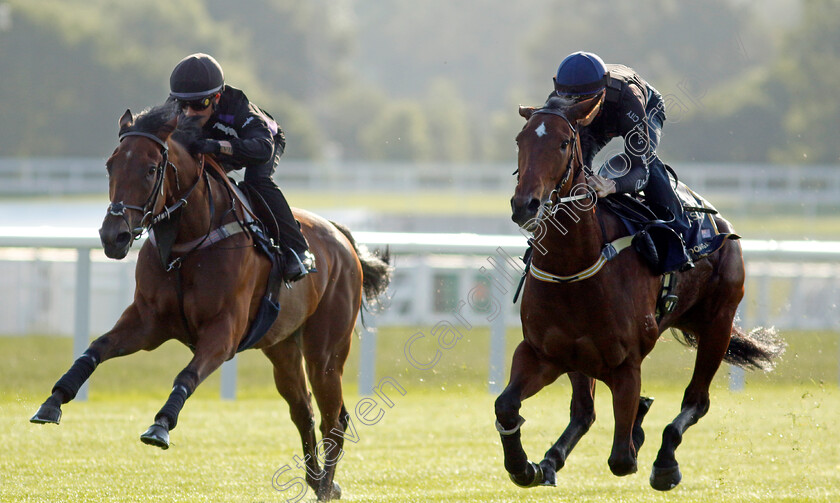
[(555, 102), (156, 119)]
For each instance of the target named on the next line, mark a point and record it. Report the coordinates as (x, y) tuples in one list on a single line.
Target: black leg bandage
[(182, 388), (81, 370)]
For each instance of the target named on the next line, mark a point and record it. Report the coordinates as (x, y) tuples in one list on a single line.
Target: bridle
[(608, 252), (147, 209), (576, 154)]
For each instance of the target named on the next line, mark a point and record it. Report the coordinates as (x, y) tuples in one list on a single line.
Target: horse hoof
[(47, 414), (531, 477), (665, 479), (549, 474), (622, 469), (156, 435), (335, 493), (644, 405)]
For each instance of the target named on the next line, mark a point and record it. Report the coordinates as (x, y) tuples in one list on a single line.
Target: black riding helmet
[(195, 77)]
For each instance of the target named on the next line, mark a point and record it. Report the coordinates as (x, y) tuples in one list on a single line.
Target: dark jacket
[(626, 105), (251, 131)]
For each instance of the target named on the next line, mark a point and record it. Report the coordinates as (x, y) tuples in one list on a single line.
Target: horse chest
[(590, 341)]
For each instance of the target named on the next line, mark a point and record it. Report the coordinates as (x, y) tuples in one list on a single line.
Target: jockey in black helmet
[(241, 135), (629, 107)]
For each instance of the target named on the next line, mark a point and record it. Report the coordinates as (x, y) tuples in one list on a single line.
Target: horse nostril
[(534, 205), (123, 238)]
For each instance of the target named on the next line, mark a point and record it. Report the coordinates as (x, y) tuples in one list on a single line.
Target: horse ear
[(580, 111), (126, 119), (526, 112)]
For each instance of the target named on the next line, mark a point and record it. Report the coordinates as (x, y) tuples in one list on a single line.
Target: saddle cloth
[(703, 236), (701, 239)]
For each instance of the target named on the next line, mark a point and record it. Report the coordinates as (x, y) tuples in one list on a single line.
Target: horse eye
[(564, 144)]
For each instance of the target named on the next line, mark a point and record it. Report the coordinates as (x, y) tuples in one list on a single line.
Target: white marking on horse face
[(128, 154), (541, 130)]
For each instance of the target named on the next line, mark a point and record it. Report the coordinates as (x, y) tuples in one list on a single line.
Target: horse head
[(549, 157), (137, 172)]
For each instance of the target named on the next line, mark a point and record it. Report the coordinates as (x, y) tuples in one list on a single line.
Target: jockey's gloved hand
[(602, 186), (205, 146)]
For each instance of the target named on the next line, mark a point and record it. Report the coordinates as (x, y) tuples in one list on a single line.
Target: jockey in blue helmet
[(625, 106)]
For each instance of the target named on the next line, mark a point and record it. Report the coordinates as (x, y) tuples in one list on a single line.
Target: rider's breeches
[(283, 227)]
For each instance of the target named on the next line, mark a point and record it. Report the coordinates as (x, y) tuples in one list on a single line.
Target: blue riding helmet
[(195, 77), (581, 74)]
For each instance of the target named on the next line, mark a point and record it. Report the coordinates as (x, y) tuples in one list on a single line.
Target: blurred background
[(401, 116)]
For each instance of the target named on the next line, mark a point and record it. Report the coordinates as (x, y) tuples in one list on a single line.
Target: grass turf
[(776, 441)]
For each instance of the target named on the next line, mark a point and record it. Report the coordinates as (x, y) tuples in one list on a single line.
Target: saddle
[(660, 245), (653, 237)]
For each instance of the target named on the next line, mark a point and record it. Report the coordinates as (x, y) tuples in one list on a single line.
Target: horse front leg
[(528, 375), (129, 335), (625, 383), (215, 345)]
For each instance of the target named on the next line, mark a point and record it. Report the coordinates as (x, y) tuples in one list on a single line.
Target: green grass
[(767, 444), (776, 441)]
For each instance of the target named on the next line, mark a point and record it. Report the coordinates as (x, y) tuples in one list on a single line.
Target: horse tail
[(376, 268), (757, 350)]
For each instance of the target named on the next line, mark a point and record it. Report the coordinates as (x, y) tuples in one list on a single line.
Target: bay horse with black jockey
[(211, 294), (589, 310)]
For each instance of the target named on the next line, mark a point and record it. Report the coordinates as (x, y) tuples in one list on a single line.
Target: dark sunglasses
[(201, 104)]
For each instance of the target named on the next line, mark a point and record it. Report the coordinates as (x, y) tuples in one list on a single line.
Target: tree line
[(425, 81)]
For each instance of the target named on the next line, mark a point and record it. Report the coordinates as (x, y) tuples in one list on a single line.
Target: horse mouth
[(115, 245), (530, 226), (526, 215)]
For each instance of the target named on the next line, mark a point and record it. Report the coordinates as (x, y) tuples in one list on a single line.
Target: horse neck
[(196, 216), (570, 239)]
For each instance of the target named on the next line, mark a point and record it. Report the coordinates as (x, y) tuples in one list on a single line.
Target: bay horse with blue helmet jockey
[(208, 296), (589, 310)]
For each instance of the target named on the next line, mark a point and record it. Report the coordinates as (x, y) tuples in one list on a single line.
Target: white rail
[(735, 185), (811, 266)]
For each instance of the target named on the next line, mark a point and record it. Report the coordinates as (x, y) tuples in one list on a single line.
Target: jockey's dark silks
[(241, 135), (257, 143)]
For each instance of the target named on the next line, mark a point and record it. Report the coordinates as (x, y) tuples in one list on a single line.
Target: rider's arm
[(255, 142), (633, 127)]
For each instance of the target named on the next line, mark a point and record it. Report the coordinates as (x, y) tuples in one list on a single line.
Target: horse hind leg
[(582, 417), (528, 375), (290, 381), (712, 342), (326, 344)]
